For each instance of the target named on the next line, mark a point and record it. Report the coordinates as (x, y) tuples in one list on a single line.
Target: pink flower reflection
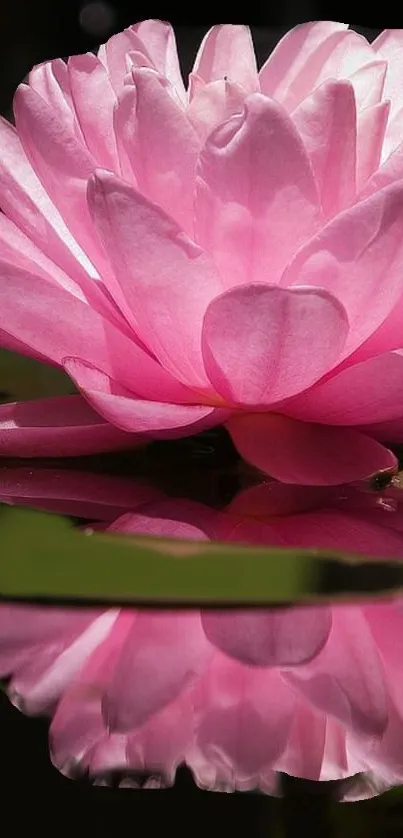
[(315, 692), (227, 254)]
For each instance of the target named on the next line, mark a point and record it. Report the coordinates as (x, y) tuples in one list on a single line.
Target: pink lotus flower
[(230, 254), (238, 696)]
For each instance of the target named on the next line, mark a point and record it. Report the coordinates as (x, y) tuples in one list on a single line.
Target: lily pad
[(44, 558)]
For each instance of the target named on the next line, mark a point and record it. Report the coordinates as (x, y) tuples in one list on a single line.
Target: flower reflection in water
[(238, 696)]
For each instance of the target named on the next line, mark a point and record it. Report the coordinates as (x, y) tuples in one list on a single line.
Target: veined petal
[(62, 163), (213, 103), (163, 160), (326, 121), (19, 249), (114, 56), (94, 101), (254, 182), (260, 343), (52, 82), (227, 52), (166, 279), (370, 391), (371, 129), (389, 46), (55, 324), (25, 201), (352, 53), (291, 71), (358, 258), (159, 40), (368, 83)]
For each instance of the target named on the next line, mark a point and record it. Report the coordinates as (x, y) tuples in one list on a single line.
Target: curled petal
[(138, 415)]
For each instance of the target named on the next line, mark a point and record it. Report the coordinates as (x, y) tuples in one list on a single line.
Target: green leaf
[(44, 557), (24, 378)]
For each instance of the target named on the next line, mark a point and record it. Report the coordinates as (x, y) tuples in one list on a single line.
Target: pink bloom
[(315, 692), (228, 254)]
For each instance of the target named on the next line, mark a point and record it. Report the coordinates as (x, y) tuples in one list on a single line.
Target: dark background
[(33, 795), (35, 30)]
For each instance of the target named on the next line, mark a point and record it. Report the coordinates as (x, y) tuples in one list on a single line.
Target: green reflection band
[(44, 558)]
